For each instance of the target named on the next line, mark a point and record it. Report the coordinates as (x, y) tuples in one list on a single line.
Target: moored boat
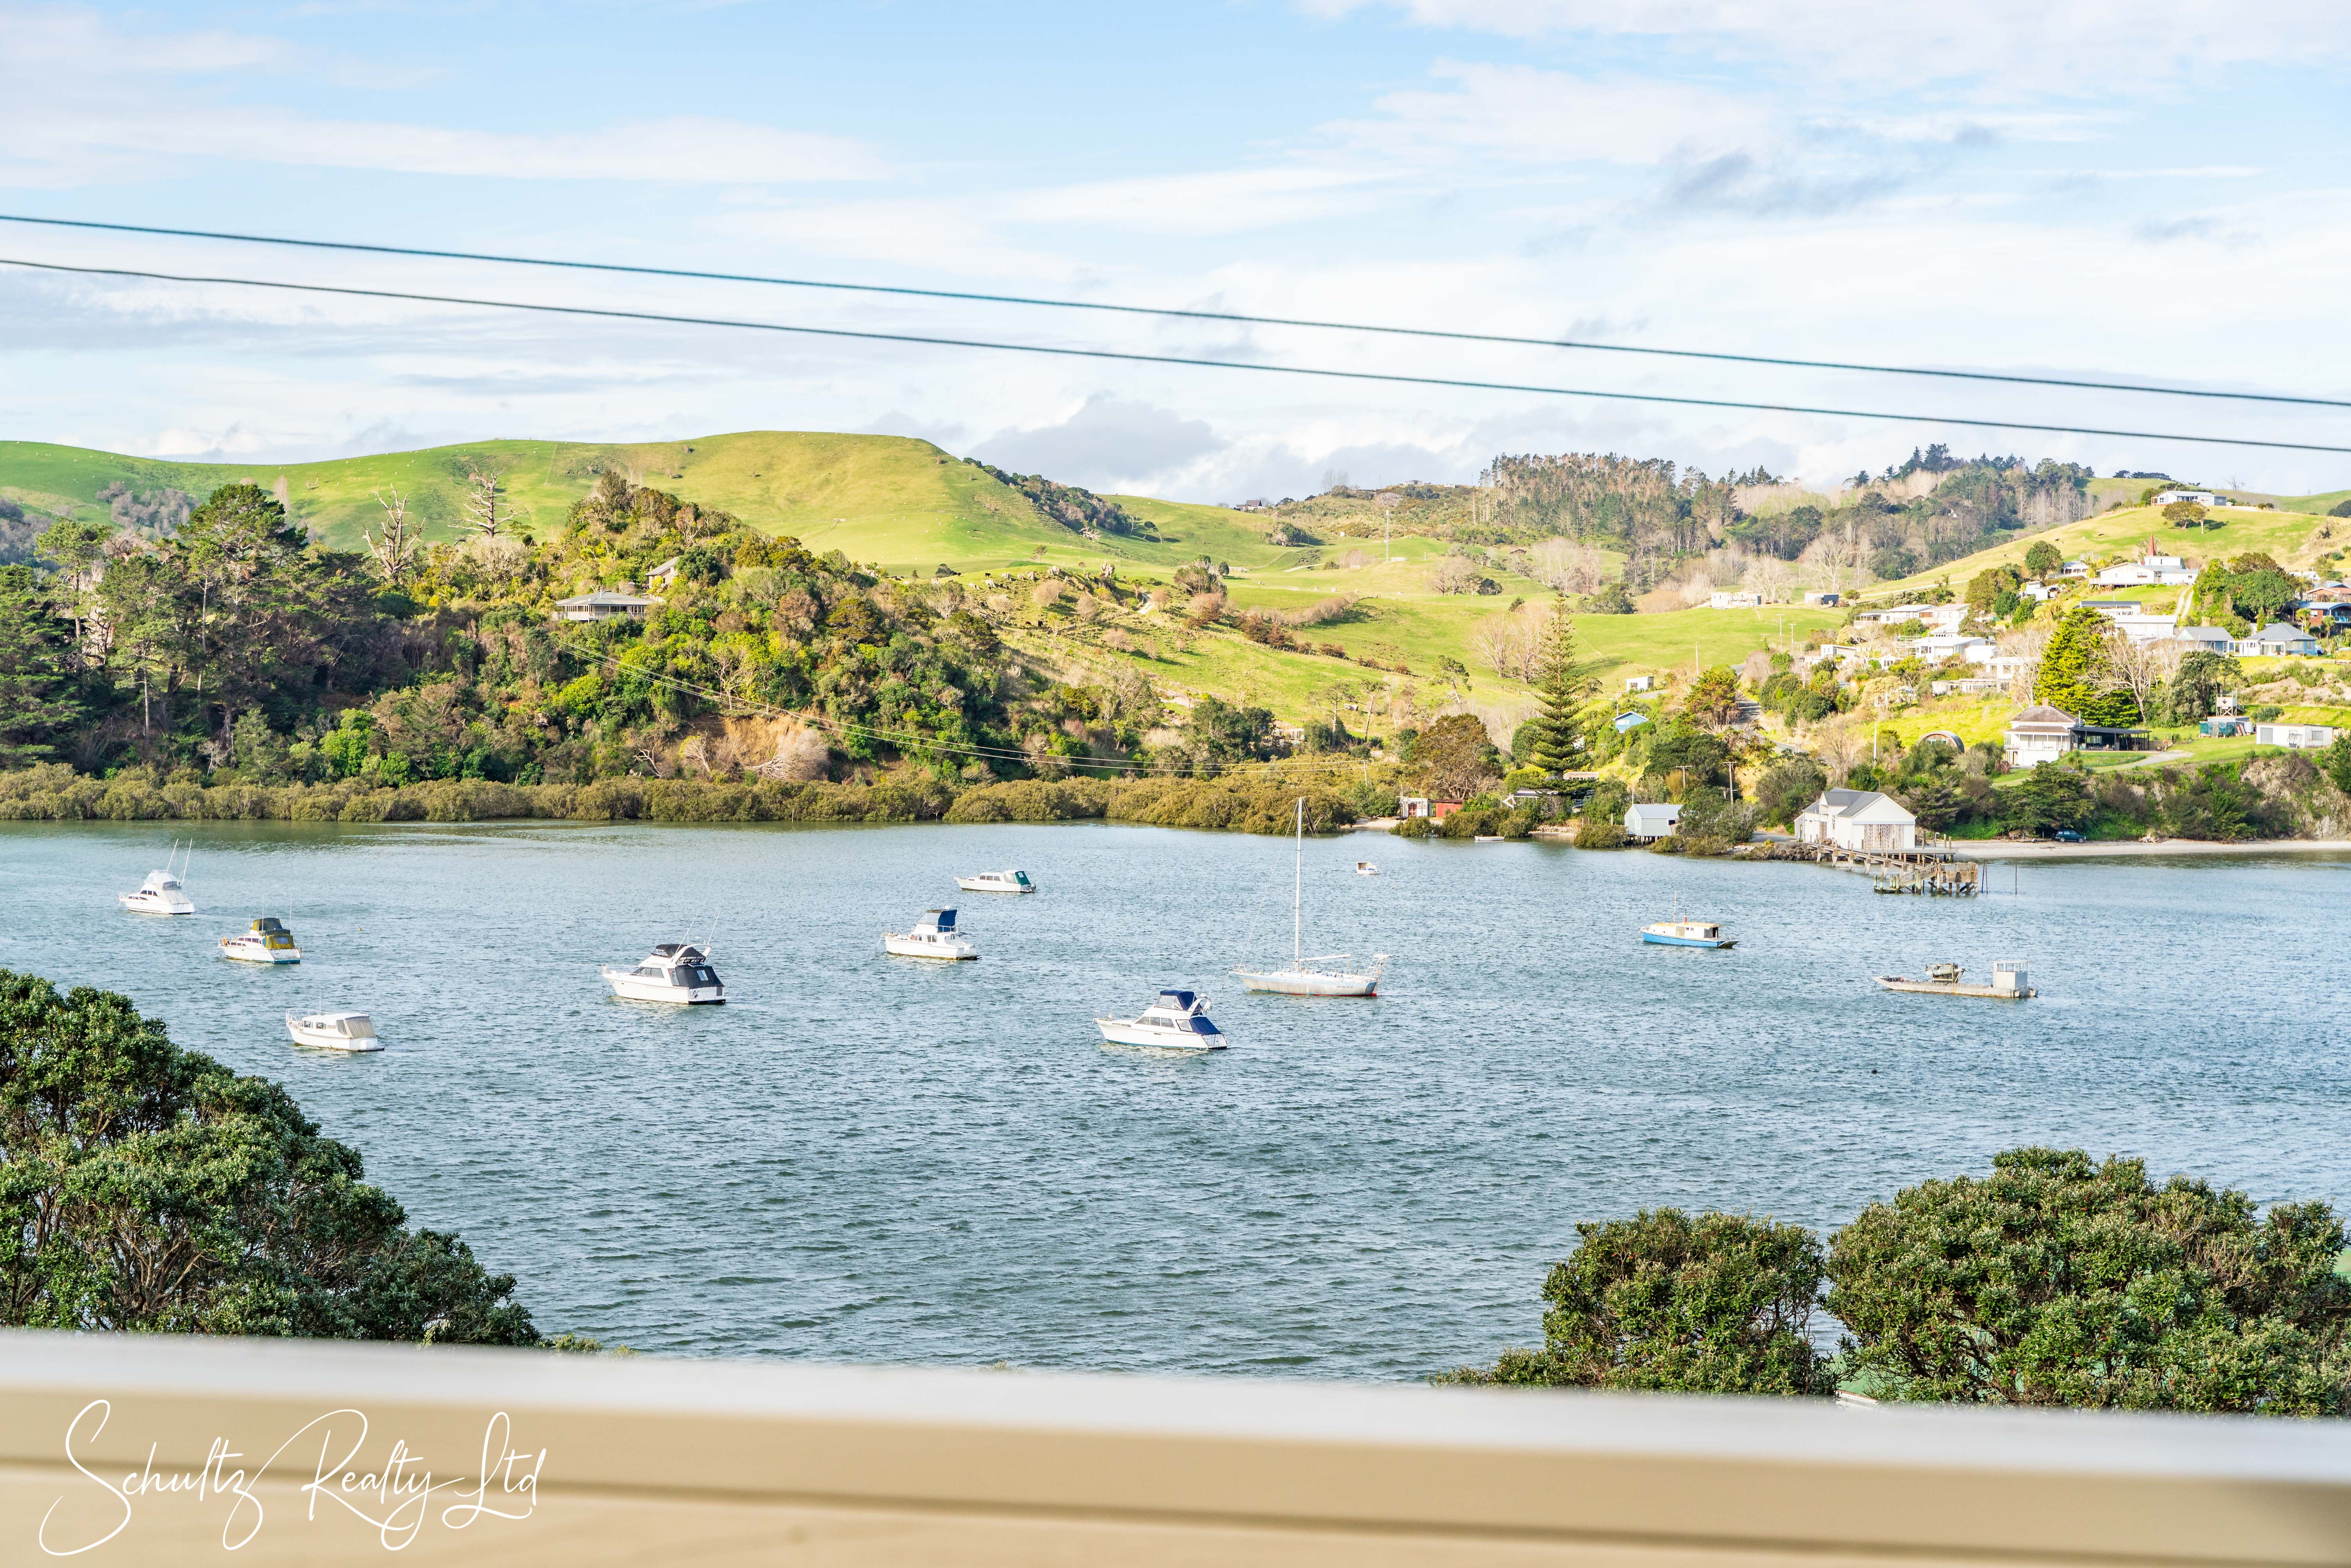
[(1327, 974), (996, 882), (1687, 933), (334, 1032), (1365, 868), (161, 894), (2008, 983), (677, 972), (1178, 1021), (269, 942), (934, 936)]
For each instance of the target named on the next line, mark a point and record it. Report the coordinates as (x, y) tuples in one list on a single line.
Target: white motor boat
[(334, 1032), (673, 972), (1178, 1020), (1365, 868), (161, 894), (267, 943), (996, 882), (1325, 974), (934, 936)]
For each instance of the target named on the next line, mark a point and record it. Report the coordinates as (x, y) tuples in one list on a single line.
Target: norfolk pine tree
[(1565, 688)]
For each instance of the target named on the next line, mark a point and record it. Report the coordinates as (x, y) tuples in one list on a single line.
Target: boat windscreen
[(1179, 1000)]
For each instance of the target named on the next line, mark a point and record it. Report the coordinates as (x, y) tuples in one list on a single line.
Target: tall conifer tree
[(1565, 688)]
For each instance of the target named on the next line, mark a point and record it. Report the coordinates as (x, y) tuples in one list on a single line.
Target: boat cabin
[(1181, 1011), (936, 923)]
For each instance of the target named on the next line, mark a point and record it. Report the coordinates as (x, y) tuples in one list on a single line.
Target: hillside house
[(2201, 498), (1734, 602), (2277, 640), (2300, 737), (1858, 820), (603, 605), (1936, 617), (2139, 574), (1651, 820), (2207, 639), (1640, 683), (1828, 597), (2044, 734), (1952, 645), (2074, 568)]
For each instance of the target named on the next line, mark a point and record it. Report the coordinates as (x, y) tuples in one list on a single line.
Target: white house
[(2201, 498), (2037, 592), (2278, 640), (1857, 820), (2209, 639), (2074, 568), (603, 605), (1829, 596), (2039, 735), (1640, 683), (2301, 737), (1645, 820), (2138, 574), (1952, 645), (1943, 618), (1734, 602)]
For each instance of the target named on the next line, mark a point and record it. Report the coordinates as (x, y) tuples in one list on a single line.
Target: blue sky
[(2138, 192)]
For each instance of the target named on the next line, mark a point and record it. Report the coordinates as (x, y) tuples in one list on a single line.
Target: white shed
[(1646, 821)]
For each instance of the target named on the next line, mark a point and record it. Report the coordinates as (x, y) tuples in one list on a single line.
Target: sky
[(2146, 194)]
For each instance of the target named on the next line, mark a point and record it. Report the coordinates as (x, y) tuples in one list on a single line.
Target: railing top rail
[(1781, 1475)]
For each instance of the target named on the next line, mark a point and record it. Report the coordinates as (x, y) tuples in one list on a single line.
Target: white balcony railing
[(207, 1445)]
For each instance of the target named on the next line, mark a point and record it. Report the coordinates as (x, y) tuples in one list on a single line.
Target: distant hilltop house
[(2044, 734), (1858, 820), (1953, 645), (2149, 571), (603, 605), (1828, 597), (1640, 683), (1646, 819), (1735, 601), (2131, 618), (1260, 505), (2201, 498)]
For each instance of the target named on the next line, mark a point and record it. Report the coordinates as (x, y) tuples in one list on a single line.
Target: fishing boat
[(161, 894), (1365, 868), (1687, 933), (269, 942), (934, 936), (677, 972), (2008, 983), (1326, 974), (1178, 1020), (334, 1032), (996, 882)]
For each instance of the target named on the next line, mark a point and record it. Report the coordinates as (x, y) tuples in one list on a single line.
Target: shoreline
[(1994, 850)]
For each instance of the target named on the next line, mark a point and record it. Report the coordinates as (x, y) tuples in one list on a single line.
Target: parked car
[(2068, 836)]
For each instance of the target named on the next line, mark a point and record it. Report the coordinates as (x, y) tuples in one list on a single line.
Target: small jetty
[(2008, 983), (1937, 872)]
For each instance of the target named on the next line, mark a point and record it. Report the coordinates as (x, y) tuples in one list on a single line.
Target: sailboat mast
[(1297, 888)]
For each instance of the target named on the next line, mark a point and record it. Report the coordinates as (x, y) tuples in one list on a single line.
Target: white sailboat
[(1324, 975)]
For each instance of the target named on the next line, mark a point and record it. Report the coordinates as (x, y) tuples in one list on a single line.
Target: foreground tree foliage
[(1711, 1303), (145, 1188), (2052, 1281), (2057, 1281)]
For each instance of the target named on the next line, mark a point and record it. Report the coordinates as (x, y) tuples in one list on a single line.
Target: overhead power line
[(1236, 317), (1130, 358)]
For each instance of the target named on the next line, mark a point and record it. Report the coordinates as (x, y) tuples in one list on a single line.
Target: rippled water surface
[(876, 1159)]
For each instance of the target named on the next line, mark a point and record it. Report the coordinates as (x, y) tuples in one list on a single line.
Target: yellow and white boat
[(269, 942)]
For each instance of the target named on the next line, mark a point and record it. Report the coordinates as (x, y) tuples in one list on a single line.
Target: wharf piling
[(1937, 873)]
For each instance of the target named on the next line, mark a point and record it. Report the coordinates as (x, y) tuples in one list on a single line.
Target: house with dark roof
[(2044, 734), (1857, 820), (2278, 640), (603, 605)]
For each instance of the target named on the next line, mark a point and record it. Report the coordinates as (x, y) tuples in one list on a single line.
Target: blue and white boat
[(1178, 1020), (934, 936), (1687, 933)]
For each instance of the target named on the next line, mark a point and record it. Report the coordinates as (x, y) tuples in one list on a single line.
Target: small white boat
[(676, 972), (267, 943), (161, 894), (334, 1032), (996, 882), (934, 936), (1687, 933), (1365, 868), (1178, 1020), (1325, 974)]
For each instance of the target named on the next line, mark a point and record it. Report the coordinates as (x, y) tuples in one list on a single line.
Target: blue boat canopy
[(1179, 1000), (945, 921)]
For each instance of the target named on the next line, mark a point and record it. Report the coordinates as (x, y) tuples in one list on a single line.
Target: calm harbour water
[(862, 1159)]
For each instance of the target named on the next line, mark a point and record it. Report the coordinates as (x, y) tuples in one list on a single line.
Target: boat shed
[(1858, 820), (1645, 820)]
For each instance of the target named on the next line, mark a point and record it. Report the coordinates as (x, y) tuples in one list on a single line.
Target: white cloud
[(1534, 116), (1215, 202)]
